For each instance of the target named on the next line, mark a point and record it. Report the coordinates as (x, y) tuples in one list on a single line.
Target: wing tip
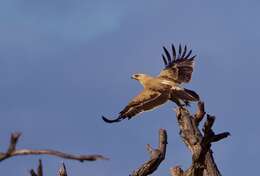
[(181, 55), (112, 120)]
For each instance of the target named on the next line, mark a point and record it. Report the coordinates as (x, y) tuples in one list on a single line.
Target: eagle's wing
[(177, 68), (146, 100)]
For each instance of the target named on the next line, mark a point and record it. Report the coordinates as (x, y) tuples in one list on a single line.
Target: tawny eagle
[(166, 86)]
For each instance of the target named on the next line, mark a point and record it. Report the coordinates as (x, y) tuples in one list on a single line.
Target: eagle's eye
[(135, 76)]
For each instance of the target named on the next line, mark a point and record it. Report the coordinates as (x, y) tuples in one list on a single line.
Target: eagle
[(166, 86)]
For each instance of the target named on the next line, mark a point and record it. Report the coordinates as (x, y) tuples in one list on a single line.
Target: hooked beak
[(133, 77)]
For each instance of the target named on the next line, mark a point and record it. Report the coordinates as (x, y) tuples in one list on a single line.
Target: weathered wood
[(199, 143), (39, 170), (62, 171), (12, 151), (156, 156)]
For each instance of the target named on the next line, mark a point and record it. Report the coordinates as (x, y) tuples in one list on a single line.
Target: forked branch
[(12, 152), (199, 143), (156, 156)]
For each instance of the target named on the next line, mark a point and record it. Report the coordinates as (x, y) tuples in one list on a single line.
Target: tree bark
[(199, 143), (156, 156), (61, 172)]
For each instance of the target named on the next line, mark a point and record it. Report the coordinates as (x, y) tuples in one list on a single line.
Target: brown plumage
[(178, 68), (166, 86)]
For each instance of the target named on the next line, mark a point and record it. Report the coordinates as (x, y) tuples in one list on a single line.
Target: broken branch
[(203, 163)]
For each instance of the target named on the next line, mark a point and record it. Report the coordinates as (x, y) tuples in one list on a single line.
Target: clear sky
[(64, 63)]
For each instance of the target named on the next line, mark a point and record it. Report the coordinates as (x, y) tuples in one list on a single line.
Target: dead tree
[(61, 172), (39, 170), (156, 156), (198, 142)]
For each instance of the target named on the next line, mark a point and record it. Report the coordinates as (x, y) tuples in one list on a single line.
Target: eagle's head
[(142, 78), (139, 76)]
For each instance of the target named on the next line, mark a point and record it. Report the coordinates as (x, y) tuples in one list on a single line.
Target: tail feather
[(185, 94), (193, 95)]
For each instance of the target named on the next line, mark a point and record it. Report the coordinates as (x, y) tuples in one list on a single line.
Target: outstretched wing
[(146, 100), (178, 68)]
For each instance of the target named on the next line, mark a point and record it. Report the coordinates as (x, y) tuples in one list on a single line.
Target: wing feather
[(184, 52), (167, 54), (188, 55), (180, 51), (173, 52), (146, 100), (164, 60), (178, 70)]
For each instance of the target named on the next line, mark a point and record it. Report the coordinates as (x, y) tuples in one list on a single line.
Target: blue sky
[(65, 63)]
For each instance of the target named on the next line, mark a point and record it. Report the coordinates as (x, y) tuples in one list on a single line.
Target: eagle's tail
[(118, 119), (185, 95), (191, 95)]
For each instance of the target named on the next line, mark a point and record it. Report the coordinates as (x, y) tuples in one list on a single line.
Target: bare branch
[(208, 124), (220, 136), (80, 158), (207, 130), (188, 130), (13, 141), (32, 173), (156, 156), (62, 171), (200, 113), (39, 170), (203, 163), (12, 151)]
